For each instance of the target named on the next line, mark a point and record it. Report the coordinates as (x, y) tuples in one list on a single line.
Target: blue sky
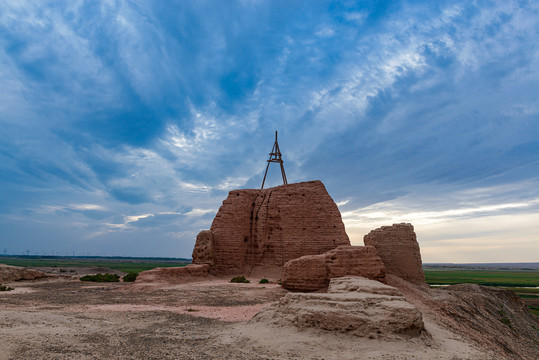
[(123, 124)]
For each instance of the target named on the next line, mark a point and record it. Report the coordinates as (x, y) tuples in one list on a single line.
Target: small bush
[(239, 279), (503, 317), (264, 281), (5, 288), (101, 278), (130, 277)]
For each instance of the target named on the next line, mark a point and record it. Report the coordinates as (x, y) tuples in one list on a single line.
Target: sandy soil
[(62, 318)]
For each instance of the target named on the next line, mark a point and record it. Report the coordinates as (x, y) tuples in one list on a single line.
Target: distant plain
[(124, 264), (522, 278)]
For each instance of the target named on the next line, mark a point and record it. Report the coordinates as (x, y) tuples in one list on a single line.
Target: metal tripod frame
[(276, 157)]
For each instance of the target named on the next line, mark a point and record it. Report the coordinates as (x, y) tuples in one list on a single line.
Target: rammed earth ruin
[(295, 232), (267, 228)]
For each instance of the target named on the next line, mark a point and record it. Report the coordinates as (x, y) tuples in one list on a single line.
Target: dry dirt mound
[(77, 271), (174, 275), (10, 273), (352, 305), (494, 319)]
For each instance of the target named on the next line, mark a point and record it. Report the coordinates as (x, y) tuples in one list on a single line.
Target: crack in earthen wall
[(253, 253), (267, 225), (252, 231)]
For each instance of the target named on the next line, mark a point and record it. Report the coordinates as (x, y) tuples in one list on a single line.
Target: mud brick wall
[(275, 225)]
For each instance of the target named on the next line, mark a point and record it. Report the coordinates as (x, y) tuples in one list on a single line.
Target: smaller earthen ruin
[(397, 246), (314, 272)]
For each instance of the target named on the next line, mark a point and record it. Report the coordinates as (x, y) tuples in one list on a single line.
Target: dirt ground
[(63, 318)]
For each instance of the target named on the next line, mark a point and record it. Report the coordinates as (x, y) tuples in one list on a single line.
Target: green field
[(122, 264), (483, 277)]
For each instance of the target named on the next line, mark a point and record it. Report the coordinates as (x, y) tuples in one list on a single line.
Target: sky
[(124, 124)]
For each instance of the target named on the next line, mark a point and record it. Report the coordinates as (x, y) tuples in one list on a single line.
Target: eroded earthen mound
[(267, 228), (493, 317), (174, 275), (313, 272), (352, 305), (15, 273), (397, 246)]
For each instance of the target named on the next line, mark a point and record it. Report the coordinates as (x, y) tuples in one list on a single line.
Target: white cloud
[(135, 218), (392, 212), (231, 183), (200, 143), (199, 212), (356, 16), (87, 207), (325, 32), (195, 188), (49, 209), (342, 203)]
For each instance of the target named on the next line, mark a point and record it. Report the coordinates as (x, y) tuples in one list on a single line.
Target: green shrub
[(130, 277), (239, 279), (264, 281), (101, 278), (503, 317), (5, 288)]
